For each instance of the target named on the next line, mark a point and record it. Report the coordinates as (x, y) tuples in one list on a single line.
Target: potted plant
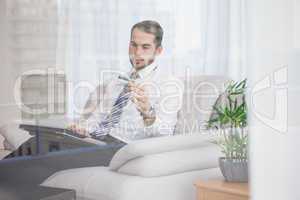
[(230, 117)]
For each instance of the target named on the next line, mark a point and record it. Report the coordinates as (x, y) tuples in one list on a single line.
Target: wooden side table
[(221, 190)]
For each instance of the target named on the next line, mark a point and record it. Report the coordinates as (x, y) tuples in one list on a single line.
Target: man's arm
[(141, 100), (160, 116), (149, 117), (93, 101)]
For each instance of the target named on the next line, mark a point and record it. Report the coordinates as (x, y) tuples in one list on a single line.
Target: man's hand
[(141, 100), (79, 129)]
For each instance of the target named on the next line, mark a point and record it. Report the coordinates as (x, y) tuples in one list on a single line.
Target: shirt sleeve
[(166, 104)]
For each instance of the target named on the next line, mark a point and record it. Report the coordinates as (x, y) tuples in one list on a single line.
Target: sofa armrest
[(173, 162), (35, 169), (158, 145)]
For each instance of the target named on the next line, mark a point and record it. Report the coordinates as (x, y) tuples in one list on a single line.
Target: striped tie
[(113, 118)]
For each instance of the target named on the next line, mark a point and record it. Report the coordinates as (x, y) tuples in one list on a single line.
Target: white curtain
[(200, 37)]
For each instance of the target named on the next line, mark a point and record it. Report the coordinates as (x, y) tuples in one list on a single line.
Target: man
[(146, 105)]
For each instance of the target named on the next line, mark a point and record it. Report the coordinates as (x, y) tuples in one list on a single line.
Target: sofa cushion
[(3, 151), (173, 162), (2, 139), (14, 136), (158, 145)]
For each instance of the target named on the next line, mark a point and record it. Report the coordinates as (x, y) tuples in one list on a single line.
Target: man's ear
[(158, 50)]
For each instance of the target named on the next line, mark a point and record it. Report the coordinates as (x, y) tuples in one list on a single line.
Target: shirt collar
[(146, 71)]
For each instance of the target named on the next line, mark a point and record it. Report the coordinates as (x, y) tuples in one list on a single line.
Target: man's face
[(142, 49)]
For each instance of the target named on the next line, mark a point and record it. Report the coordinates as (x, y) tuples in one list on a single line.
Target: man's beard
[(143, 66)]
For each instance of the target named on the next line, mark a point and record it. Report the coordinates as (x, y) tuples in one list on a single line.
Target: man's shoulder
[(168, 84), (169, 79)]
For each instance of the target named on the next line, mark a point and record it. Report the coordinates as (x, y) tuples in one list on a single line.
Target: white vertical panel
[(270, 45), (294, 126)]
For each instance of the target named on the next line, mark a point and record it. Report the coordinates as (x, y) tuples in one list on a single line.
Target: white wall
[(28, 41), (271, 46), (8, 73)]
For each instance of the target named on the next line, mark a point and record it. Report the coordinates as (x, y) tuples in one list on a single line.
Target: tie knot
[(134, 75)]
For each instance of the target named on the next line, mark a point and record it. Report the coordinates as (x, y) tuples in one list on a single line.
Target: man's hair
[(151, 27)]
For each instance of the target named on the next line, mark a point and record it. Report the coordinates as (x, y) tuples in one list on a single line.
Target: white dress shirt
[(165, 96)]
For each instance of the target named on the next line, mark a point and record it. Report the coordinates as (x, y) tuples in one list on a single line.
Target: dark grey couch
[(18, 175)]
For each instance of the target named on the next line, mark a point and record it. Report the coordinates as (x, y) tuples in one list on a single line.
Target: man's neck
[(143, 72)]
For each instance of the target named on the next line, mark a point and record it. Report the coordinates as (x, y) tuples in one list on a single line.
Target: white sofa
[(157, 168)]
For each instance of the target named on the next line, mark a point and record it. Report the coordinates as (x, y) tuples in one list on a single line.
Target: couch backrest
[(200, 94)]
